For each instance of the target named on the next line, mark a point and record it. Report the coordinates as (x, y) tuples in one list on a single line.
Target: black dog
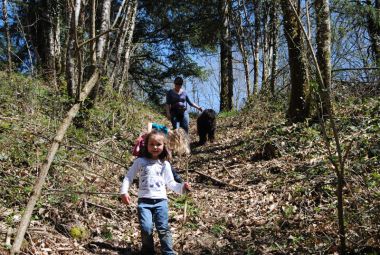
[(206, 125)]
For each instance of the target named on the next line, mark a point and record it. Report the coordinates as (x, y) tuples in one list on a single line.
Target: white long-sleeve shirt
[(154, 175)]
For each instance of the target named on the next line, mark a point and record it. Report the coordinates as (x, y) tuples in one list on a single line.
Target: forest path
[(224, 205)]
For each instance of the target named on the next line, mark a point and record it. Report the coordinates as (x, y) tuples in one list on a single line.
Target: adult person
[(176, 106)]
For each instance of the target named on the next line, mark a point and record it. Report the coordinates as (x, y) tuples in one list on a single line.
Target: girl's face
[(156, 145)]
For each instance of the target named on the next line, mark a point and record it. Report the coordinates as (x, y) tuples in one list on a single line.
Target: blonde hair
[(178, 142)]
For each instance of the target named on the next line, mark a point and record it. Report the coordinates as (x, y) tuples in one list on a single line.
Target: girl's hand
[(126, 199), (186, 187)]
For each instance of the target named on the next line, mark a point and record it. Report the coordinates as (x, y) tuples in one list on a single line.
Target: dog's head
[(209, 114)]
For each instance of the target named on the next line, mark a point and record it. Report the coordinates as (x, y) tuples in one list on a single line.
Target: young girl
[(177, 142), (154, 174)]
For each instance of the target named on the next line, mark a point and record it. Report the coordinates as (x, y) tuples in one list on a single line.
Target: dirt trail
[(223, 224)]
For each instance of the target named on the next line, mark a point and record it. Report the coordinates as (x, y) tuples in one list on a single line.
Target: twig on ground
[(228, 172), (220, 181)]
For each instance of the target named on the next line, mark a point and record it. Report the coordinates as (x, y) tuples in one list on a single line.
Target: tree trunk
[(120, 44), (71, 71), (128, 46), (265, 44), (298, 109), (93, 32), (101, 47), (51, 70), (257, 47), (225, 50), (104, 26), (250, 38), (229, 56), (7, 35), (274, 40), (241, 39), (323, 55), (373, 20)]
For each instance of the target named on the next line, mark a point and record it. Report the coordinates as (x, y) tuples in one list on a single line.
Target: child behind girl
[(178, 143), (154, 175)]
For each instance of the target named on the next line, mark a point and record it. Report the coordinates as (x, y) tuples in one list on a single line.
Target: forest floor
[(263, 187)]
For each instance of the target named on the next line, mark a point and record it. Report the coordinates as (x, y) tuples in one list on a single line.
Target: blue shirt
[(177, 101)]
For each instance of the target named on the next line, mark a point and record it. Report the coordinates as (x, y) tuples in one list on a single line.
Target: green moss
[(78, 232)]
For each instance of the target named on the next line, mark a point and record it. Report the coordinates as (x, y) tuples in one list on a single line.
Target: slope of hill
[(263, 187)]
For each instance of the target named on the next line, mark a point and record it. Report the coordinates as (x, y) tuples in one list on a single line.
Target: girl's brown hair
[(165, 154)]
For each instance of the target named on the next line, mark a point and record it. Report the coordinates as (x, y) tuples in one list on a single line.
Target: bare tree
[(20, 28), (323, 55), (124, 38), (241, 40)]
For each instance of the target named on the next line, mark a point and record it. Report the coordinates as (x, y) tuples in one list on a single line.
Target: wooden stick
[(185, 207), (100, 206), (228, 172), (9, 235), (214, 179)]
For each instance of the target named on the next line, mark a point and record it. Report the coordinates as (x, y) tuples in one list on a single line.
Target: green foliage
[(192, 209), (79, 232), (106, 232), (191, 225), (228, 114), (373, 180), (218, 229), (288, 210)]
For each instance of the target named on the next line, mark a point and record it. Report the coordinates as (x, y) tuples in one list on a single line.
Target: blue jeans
[(154, 211), (181, 122)]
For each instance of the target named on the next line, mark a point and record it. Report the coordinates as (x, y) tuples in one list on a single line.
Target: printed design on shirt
[(151, 177)]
